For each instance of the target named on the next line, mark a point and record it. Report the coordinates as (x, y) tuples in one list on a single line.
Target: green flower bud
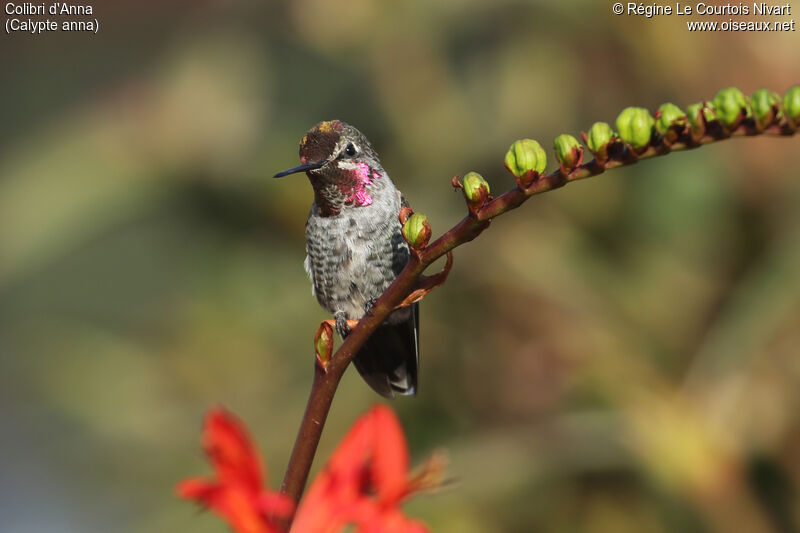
[(417, 231), (669, 115), (323, 344), (635, 126), (791, 103), (698, 115), (526, 160), (476, 190), (569, 152), (765, 105), (599, 137), (731, 106)]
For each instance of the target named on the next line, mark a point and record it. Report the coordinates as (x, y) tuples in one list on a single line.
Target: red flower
[(363, 484), (366, 480), (237, 493)]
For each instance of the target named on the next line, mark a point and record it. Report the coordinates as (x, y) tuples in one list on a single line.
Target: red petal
[(328, 504), (241, 512), (198, 489), (333, 496), (354, 450), (392, 521), (275, 504), (236, 504), (389, 455), (236, 493), (372, 457), (323, 518), (371, 461), (231, 450)]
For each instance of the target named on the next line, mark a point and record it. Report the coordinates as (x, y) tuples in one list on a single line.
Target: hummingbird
[(355, 249)]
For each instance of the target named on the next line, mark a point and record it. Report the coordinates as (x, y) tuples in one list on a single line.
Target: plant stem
[(327, 380)]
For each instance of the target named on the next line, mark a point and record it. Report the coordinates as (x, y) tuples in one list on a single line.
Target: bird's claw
[(342, 325), (369, 305)]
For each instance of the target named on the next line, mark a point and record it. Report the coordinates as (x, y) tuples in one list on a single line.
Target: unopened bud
[(569, 152), (766, 107), (669, 116), (791, 104), (405, 212), (731, 106), (417, 231), (699, 114), (635, 126), (323, 344), (598, 139), (476, 190), (526, 160)]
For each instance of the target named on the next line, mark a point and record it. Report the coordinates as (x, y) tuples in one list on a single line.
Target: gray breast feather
[(354, 256)]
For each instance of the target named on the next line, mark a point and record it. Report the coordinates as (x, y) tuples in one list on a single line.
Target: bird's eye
[(350, 149)]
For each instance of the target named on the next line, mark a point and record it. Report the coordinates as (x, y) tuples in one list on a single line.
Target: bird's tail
[(388, 361)]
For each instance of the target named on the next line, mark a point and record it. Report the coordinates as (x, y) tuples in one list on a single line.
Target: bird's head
[(341, 165)]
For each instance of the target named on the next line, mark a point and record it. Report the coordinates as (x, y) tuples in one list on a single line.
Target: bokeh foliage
[(619, 355)]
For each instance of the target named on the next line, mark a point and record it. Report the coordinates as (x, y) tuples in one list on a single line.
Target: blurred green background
[(621, 355)]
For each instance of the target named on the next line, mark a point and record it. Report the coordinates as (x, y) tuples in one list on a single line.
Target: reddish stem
[(327, 380)]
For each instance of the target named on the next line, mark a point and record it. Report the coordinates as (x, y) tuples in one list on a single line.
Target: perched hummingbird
[(355, 249)]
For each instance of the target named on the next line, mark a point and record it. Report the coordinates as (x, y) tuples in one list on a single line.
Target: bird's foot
[(369, 305), (341, 324), (426, 284)]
